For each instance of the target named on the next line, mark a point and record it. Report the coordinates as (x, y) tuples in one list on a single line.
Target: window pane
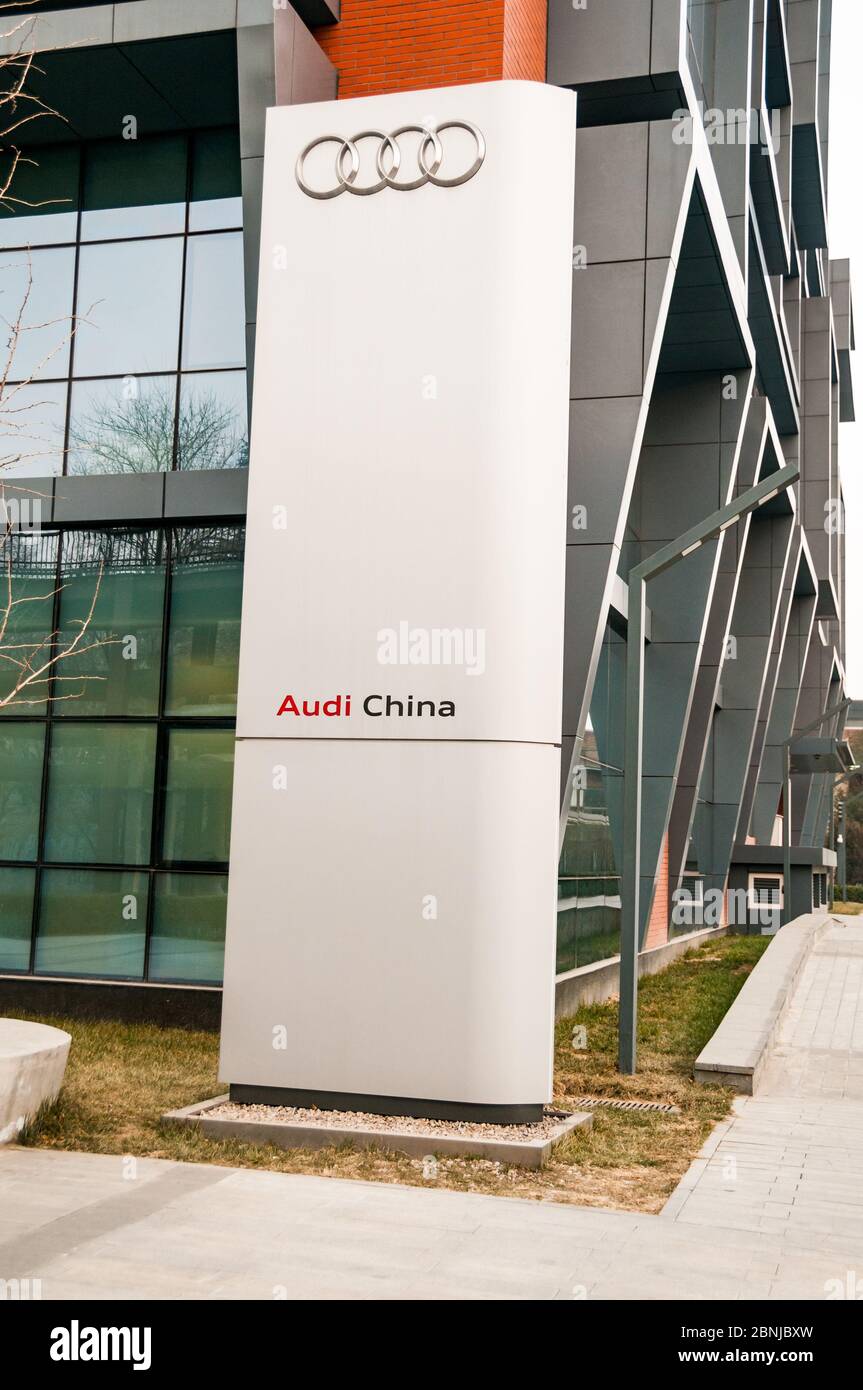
[(213, 430), (122, 426), (216, 188), (100, 793), (32, 561), (134, 187), (188, 938), (21, 749), (36, 299), (198, 795), (129, 295), (16, 914), (92, 922), (41, 207), (214, 321), (204, 640), (124, 573), (32, 428)]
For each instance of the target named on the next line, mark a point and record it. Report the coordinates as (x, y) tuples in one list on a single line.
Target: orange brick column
[(657, 923), (403, 45)]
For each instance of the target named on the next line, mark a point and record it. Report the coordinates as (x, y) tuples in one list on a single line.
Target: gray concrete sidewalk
[(790, 1161), (773, 1208)]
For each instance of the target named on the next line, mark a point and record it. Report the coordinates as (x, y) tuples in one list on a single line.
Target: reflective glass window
[(200, 772), (16, 917), (21, 754), (120, 576), (214, 320), (129, 307), (40, 207), (32, 428), (121, 788), (28, 611), (216, 190), (36, 311), (92, 922), (588, 908), (134, 187), (188, 936), (157, 214), (100, 793), (123, 425), (213, 429), (204, 634)]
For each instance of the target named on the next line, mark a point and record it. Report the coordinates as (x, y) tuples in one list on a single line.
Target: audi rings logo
[(429, 158)]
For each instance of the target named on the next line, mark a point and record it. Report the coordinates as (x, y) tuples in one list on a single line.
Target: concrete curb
[(32, 1062), (525, 1153), (740, 1048), (696, 1170)]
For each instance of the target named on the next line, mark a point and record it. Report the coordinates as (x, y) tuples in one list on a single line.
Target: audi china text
[(339, 707)]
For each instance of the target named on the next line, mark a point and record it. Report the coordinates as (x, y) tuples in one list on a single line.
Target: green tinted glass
[(27, 605), (41, 206), (200, 774), (100, 793), (216, 182), (92, 922), (21, 753), (134, 187), (188, 937), (121, 577), (216, 165), (16, 911), (204, 638)]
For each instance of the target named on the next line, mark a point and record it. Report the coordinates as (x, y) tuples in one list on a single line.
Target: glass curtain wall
[(123, 285), (701, 35), (588, 907), (116, 783)]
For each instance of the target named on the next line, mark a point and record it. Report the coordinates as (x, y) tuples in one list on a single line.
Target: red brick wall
[(403, 45), (524, 39), (657, 926)]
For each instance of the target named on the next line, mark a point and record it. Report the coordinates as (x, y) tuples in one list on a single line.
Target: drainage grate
[(595, 1102)]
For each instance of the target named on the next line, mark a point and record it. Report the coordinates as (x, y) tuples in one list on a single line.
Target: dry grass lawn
[(121, 1078)]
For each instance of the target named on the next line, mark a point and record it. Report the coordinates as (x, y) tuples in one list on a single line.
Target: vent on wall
[(765, 890), (819, 890), (766, 902)]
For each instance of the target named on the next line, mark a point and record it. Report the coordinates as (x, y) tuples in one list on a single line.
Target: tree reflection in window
[(134, 426)]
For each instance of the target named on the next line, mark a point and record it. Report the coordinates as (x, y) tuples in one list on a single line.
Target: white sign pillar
[(391, 915)]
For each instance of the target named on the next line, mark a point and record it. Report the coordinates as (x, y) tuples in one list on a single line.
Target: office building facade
[(710, 347)]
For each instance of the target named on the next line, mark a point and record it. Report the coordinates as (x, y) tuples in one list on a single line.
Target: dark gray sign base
[(387, 1105)]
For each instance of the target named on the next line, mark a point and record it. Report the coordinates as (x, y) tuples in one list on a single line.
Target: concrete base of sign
[(353, 1104), (527, 1152), (32, 1062)]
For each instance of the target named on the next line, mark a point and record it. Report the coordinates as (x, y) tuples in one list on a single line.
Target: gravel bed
[(388, 1124)]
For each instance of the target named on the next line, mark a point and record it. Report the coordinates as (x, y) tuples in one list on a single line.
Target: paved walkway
[(772, 1209), (790, 1161)]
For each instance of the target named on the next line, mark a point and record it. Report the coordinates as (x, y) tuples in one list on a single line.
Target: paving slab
[(783, 1221)]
